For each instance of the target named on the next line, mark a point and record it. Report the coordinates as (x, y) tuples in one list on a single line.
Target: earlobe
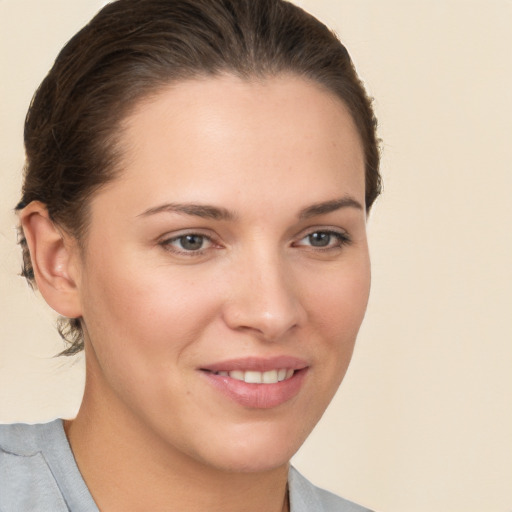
[(53, 256)]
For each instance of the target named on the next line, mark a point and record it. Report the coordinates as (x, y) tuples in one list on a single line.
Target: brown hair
[(131, 49)]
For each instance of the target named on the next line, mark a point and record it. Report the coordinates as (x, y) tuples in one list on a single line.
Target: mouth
[(257, 383), (256, 377)]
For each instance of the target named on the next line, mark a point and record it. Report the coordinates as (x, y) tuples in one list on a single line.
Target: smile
[(255, 377), (258, 383)]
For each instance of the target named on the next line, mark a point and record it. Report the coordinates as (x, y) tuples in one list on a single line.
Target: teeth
[(253, 377), (269, 377)]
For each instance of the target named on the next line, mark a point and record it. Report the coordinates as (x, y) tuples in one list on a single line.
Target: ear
[(54, 256)]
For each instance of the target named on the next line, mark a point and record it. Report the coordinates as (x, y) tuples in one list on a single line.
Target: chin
[(257, 450), (252, 462)]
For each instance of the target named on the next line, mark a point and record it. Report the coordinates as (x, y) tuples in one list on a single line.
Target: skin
[(156, 312)]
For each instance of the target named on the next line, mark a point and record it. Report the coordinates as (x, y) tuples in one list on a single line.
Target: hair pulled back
[(133, 48)]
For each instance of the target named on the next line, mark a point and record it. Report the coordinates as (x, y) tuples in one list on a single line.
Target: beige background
[(423, 421)]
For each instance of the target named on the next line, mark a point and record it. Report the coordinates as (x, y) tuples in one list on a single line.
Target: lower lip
[(258, 396)]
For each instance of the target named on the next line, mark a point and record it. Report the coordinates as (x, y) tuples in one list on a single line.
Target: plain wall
[(423, 420)]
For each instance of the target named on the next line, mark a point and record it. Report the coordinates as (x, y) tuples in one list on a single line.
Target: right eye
[(189, 244)]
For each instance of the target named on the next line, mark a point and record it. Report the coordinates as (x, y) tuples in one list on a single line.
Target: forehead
[(249, 136)]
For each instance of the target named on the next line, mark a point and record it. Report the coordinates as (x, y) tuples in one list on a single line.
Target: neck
[(128, 468)]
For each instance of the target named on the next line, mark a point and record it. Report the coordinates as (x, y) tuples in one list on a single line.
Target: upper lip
[(257, 364)]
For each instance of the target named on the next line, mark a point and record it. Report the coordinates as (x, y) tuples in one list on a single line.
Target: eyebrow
[(198, 210), (206, 211), (329, 206)]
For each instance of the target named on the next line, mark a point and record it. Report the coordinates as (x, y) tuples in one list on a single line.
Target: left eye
[(324, 239), (191, 242)]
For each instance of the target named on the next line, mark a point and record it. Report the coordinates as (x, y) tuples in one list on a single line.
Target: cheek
[(338, 301), (337, 305), (140, 308)]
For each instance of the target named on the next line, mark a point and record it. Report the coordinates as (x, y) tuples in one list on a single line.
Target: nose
[(264, 299)]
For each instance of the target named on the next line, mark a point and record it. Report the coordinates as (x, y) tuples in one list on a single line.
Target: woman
[(194, 206)]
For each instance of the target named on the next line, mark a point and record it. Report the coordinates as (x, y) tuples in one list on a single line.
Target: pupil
[(319, 239), (191, 242)]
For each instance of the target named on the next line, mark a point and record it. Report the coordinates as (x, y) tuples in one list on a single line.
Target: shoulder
[(306, 497), (24, 466), (26, 440)]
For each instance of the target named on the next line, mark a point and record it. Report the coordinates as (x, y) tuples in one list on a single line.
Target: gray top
[(38, 473)]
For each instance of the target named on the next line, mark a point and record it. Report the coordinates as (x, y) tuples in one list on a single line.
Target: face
[(226, 270)]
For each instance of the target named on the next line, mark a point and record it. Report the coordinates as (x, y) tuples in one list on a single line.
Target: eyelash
[(167, 244), (341, 238)]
